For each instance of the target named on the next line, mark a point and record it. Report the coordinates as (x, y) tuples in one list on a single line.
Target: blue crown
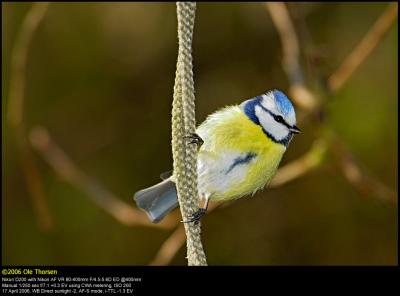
[(283, 102)]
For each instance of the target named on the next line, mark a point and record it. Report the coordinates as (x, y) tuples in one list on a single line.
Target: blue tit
[(240, 148)]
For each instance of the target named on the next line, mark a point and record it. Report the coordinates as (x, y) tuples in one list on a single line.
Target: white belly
[(218, 174)]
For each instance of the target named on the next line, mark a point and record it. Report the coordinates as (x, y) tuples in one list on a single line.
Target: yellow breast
[(231, 131)]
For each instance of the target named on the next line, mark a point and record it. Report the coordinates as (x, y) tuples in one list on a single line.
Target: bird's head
[(274, 112)]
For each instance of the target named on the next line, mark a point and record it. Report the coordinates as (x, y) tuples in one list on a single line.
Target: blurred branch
[(299, 167), (65, 168), (359, 178), (16, 95), (24, 38), (364, 48), (305, 98), (291, 52), (170, 247)]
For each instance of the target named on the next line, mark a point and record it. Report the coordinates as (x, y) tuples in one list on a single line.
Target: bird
[(239, 151)]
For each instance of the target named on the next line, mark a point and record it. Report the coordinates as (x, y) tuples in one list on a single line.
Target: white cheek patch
[(276, 129)]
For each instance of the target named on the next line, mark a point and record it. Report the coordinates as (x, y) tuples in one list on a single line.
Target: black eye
[(279, 118)]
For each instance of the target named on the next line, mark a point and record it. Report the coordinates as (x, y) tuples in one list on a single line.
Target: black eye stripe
[(277, 118), (280, 119)]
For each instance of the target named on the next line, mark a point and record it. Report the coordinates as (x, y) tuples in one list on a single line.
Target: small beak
[(295, 130)]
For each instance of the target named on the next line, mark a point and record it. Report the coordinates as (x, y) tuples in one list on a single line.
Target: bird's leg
[(198, 214), (195, 139)]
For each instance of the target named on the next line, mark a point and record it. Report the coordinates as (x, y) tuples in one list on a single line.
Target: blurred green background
[(100, 79)]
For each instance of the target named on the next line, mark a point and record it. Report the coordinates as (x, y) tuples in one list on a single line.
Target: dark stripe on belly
[(241, 160)]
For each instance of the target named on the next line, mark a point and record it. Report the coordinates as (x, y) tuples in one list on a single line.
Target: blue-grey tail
[(158, 200)]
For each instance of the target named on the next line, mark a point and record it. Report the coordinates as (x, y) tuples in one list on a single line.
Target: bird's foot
[(195, 139), (196, 216)]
